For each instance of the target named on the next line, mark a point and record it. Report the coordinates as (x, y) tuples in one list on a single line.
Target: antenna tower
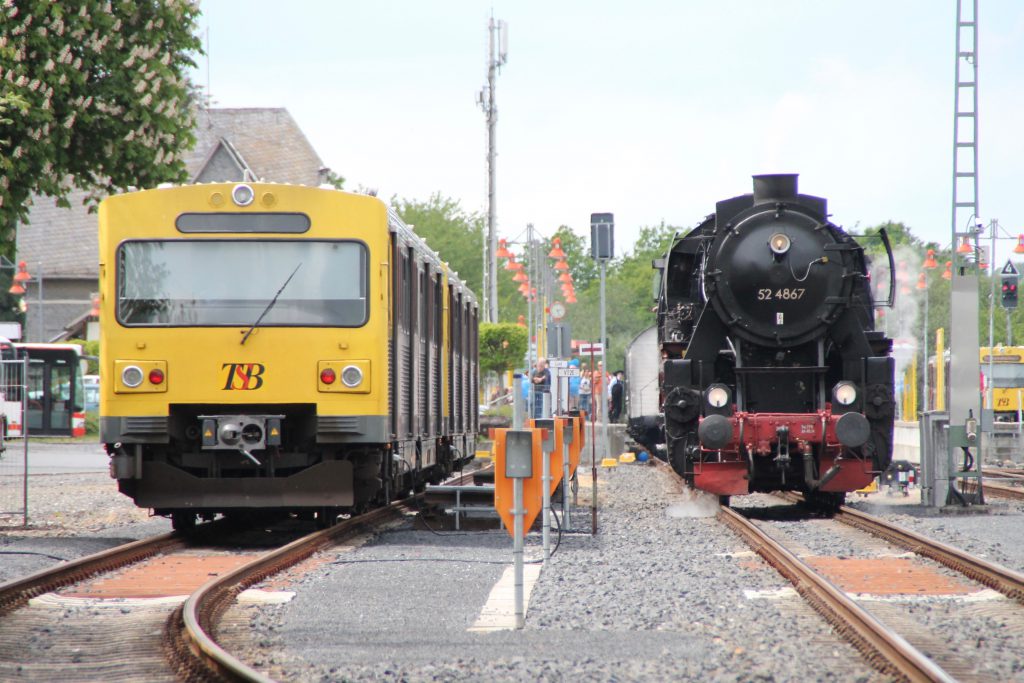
[(497, 54)]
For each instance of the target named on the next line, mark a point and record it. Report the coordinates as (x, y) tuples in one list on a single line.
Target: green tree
[(92, 349), (334, 180), (456, 235), (95, 97), (502, 346), (899, 235)]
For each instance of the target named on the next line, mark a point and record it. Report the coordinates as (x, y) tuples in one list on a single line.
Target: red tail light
[(327, 376), (156, 376)]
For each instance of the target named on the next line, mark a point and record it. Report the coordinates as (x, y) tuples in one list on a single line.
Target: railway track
[(881, 645), (1006, 581), (885, 649), (186, 646), (998, 490)]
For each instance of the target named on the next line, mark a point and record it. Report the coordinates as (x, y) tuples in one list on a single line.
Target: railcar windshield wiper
[(270, 305)]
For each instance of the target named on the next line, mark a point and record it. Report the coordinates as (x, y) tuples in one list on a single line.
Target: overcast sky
[(650, 110)]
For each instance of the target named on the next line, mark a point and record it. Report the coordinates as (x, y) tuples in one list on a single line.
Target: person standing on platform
[(574, 386), (585, 394), (599, 388), (617, 391), (541, 380)]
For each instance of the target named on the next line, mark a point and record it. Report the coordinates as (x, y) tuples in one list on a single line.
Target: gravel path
[(657, 595)]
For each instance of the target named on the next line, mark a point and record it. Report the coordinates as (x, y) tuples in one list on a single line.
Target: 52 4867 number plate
[(783, 294)]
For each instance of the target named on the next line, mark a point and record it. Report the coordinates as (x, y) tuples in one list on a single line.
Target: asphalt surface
[(53, 457)]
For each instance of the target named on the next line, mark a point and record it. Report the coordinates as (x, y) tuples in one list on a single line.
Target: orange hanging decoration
[(503, 251), (929, 261), (556, 251)]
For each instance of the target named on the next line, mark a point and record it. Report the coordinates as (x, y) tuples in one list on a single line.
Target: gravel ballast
[(658, 594)]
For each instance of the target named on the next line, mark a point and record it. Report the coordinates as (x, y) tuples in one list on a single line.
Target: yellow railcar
[(278, 346), (1007, 382)]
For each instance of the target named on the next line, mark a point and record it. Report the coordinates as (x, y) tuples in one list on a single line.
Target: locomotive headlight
[(845, 393), (242, 194), (717, 396), (351, 376), (779, 243), (132, 376)]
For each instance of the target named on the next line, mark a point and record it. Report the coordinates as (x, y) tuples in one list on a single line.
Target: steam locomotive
[(773, 376)]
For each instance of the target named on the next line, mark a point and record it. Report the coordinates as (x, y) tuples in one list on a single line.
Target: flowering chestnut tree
[(93, 95)]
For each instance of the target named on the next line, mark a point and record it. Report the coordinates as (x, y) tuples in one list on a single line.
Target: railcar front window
[(1007, 376), (226, 283)]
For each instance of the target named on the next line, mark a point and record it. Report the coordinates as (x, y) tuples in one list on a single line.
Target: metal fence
[(14, 443)]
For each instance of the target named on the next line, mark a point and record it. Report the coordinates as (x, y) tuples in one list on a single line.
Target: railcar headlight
[(779, 243), (845, 393), (242, 194), (717, 396), (351, 376), (131, 376)]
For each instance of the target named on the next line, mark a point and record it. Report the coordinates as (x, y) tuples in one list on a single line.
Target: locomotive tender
[(278, 347), (773, 375)]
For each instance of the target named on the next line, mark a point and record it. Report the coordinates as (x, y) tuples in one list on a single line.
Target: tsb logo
[(243, 376)]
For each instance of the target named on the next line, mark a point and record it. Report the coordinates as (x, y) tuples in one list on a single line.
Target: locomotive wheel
[(183, 521), (326, 516)]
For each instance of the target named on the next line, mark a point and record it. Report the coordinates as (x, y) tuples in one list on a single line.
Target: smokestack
[(774, 187)]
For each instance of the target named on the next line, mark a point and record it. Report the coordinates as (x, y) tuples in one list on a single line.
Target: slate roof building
[(60, 246)]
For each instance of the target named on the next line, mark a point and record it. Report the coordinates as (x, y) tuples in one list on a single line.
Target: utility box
[(519, 454), (559, 340), (548, 425)]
